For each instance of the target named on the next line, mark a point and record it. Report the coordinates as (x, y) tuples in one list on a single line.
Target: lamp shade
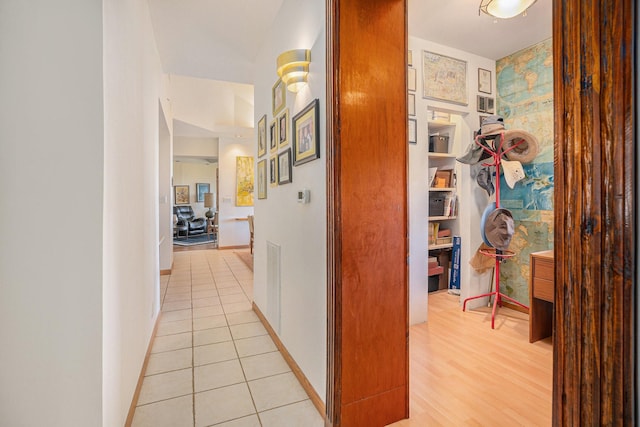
[(208, 200), (505, 9), (293, 68)]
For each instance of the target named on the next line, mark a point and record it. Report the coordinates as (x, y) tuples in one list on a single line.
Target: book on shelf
[(433, 232), (450, 208)]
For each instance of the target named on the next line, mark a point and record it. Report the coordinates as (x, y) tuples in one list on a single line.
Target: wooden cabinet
[(541, 295)]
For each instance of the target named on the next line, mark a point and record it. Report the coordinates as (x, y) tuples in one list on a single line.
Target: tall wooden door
[(367, 221), (595, 219)]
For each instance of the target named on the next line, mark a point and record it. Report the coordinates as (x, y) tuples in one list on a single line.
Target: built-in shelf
[(436, 125), (442, 189), (433, 155), (443, 246), (441, 218)]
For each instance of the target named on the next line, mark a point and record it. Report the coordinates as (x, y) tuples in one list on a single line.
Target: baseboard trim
[(136, 394), (311, 392), (234, 247), (515, 307)]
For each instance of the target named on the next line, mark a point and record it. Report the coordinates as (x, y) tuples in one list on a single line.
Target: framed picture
[(273, 136), (283, 129), (484, 80), (413, 135), (444, 78), (278, 97), (262, 136), (244, 181), (410, 58), (486, 104), (273, 171), (411, 79), (262, 179), (200, 190), (443, 178), (181, 194), (284, 167), (412, 104), (306, 134), (482, 119)]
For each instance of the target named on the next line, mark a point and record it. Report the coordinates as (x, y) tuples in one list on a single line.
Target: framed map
[(444, 78)]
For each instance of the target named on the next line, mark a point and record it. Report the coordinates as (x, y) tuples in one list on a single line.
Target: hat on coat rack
[(513, 171), (497, 227), (526, 144)]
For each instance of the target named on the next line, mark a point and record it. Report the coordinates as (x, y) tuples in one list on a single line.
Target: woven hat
[(498, 228), (513, 171)]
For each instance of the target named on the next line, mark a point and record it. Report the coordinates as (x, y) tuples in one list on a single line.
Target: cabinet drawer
[(543, 289), (543, 269)]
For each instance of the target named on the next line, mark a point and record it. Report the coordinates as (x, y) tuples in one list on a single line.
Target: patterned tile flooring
[(212, 362)]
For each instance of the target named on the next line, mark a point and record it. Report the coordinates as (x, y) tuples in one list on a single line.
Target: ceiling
[(220, 39)]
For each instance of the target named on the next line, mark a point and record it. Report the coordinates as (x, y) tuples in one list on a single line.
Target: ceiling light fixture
[(293, 68), (505, 9)]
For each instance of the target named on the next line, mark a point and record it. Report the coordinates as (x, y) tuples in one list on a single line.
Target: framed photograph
[(262, 136), (244, 181), (273, 171), (410, 58), (273, 136), (284, 167), (181, 194), (482, 119), (413, 132), (412, 104), (278, 97), (306, 134), (443, 178), (484, 80), (444, 78), (200, 190), (411, 79), (486, 104), (262, 179), (283, 129)]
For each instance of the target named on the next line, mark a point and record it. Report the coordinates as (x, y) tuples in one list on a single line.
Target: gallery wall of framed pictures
[(284, 141)]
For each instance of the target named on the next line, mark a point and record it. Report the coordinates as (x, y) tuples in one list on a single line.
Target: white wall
[(233, 231), (472, 199), (195, 147), (165, 191), (51, 175), (299, 229), (190, 173), (133, 83)]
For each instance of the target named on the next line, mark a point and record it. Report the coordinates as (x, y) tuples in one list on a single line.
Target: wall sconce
[(505, 9), (293, 68)]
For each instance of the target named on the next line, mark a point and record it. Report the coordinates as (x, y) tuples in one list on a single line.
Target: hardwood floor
[(464, 373)]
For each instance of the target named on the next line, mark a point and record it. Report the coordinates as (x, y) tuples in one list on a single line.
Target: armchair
[(186, 217)]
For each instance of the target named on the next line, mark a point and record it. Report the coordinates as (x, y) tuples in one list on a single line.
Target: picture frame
[(262, 179), (285, 169), (244, 181), (443, 178), (278, 97), (484, 81), (306, 134), (486, 104), (262, 136), (273, 171), (444, 78), (411, 79), (201, 189), (283, 129), (411, 106), (412, 131), (410, 58), (273, 136), (181, 194)]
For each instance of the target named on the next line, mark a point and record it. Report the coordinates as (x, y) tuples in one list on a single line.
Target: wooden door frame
[(595, 221)]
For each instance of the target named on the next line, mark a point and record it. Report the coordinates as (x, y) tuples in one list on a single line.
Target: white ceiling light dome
[(505, 9)]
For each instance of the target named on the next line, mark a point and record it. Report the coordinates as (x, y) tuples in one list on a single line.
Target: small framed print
[(181, 194), (201, 189), (410, 58), (411, 79), (273, 171), (486, 104), (278, 97), (306, 134), (273, 136), (283, 129), (262, 136), (284, 167), (484, 81), (413, 137), (262, 179), (411, 108)]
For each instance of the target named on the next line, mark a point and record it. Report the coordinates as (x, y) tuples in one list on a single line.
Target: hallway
[(212, 361)]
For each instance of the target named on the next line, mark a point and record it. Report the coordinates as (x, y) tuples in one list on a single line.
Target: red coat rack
[(499, 255)]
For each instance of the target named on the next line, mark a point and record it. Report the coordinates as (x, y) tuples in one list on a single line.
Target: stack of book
[(443, 237), (450, 205), (434, 267)]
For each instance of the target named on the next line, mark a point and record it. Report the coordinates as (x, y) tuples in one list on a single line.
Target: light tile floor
[(212, 362)]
